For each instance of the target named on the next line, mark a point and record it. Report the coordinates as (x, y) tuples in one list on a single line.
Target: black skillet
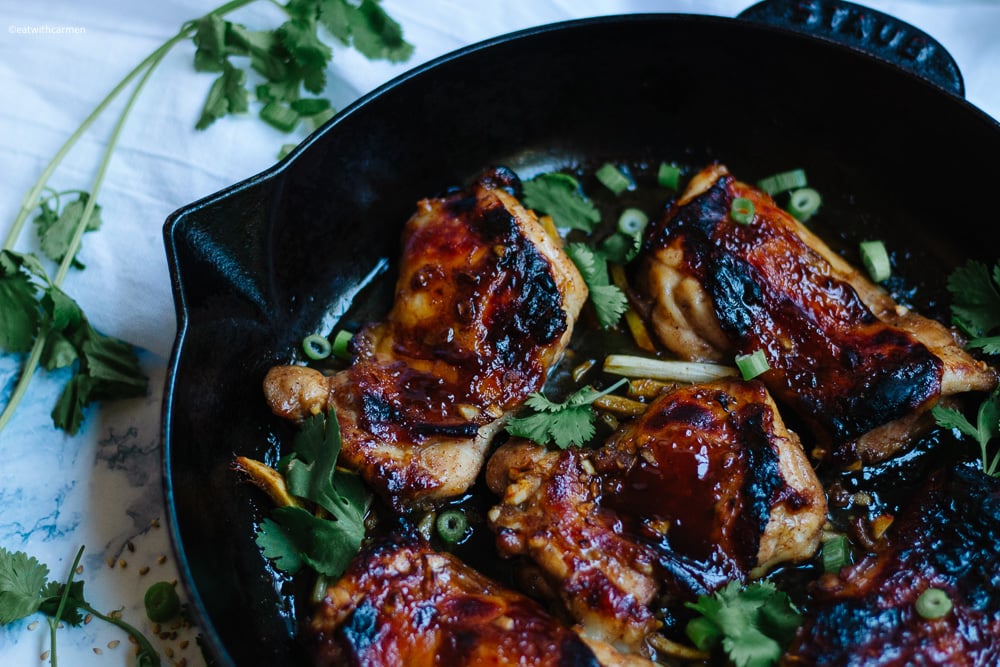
[(265, 262)]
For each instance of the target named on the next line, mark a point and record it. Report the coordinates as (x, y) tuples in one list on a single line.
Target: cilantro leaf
[(21, 316), (227, 95), (107, 367), (22, 578), (609, 301), (55, 231), (368, 27), (975, 304), (293, 537), (560, 196), (210, 38), (620, 248), (753, 623), (987, 427), (568, 423), (52, 595)]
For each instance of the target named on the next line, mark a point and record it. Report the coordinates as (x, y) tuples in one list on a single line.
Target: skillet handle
[(873, 32)]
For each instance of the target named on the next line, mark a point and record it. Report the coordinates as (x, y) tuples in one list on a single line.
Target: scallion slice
[(933, 603), (753, 364), (836, 553), (783, 182), (340, 343), (279, 116), (803, 203), (451, 526), (614, 179), (876, 260), (669, 176), (742, 210), (316, 346), (632, 221)]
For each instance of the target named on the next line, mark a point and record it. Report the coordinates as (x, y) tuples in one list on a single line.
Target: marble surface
[(102, 488)]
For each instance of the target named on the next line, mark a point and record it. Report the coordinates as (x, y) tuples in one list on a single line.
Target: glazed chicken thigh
[(402, 603), (706, 487), (861, 370), (485, 303)]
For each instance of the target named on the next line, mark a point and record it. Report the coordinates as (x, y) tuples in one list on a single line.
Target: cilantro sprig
[(294, 537), (975, 304), (43, 319), (609, 301), (560, 196), (753, 625), (568, 423), (25, 589), (284, 61), (987, 428)]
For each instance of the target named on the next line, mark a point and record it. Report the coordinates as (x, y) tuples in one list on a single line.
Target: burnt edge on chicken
[(947, 539)]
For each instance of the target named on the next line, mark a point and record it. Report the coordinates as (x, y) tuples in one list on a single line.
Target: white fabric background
[(102, 487)]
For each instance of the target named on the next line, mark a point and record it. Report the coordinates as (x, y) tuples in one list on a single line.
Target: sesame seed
[(169, 652), (122, 564), (184, 644), (88, 618), (130, 546), (32, 625), (79, 569), (97, 650), (114, 643), (144, 570), (161, 560), (44, 656)]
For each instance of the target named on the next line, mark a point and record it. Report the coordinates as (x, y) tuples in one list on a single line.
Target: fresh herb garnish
[(986, 429), (568, 423), (285, 60), (975, 304), (609, 301), (559, 195), (43, 319), (293, 536), (25, 590), (752, 624)]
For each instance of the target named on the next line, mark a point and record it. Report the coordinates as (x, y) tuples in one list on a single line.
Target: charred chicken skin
[(946, 539), (402, 603), (861, 370), (485, 303), (706, 487)]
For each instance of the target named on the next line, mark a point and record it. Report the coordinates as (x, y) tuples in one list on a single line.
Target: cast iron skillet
[(265, 262)]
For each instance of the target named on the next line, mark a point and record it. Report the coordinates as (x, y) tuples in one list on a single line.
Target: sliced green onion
[(836, 553), (933, 603), (614, 179), (279, 116), (668, 176), (803, 203), (665, 370), (742, 211), (340, 345), (876, 260), (753, 364), (632, 221), (783, 182), (310, 106), (316, 346), (451, 526), (285, 150), (162, 602)]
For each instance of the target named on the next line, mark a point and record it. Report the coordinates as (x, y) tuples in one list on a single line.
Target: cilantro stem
[(147, 656), (31, 200), (54, 621)]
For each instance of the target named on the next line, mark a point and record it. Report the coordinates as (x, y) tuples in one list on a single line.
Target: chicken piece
[(707, 486), (485, 304), (859, 369), (401, 603), (946, 539)]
